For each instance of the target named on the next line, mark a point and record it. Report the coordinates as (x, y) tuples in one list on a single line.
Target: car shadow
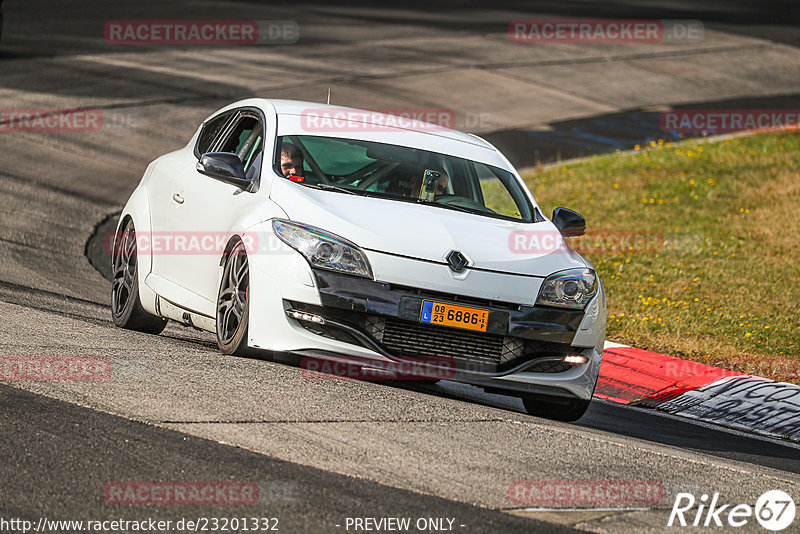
[(648, 425)]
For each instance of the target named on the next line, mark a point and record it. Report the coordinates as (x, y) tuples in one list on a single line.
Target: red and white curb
[(642, 378)]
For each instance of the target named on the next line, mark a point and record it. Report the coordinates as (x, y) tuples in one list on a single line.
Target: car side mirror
[(568, 222), (225, 167)]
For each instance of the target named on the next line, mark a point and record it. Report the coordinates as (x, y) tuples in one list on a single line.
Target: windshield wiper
[(446, 206), (329, 187), (360, 192), (357, 192)]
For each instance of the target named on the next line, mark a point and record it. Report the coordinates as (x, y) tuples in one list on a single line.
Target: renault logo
[(456, 261)]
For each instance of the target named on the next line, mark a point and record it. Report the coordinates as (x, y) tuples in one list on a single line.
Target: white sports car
[(337, 234)]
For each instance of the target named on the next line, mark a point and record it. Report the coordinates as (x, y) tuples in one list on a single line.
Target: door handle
[(177, 198)]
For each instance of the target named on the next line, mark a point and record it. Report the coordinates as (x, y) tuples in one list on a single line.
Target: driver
[(291, 160)]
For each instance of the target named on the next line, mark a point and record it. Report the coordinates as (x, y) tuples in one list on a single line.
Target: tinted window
[(211, 129), (338, 158), (411, 175), (246, 140), (248, 129)]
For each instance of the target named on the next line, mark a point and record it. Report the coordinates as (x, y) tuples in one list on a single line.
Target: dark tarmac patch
[(98, 246)]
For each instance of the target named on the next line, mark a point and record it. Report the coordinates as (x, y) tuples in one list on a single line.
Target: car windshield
[(402, 173)]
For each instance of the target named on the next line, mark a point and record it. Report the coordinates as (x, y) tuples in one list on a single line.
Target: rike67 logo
[(774, 510)]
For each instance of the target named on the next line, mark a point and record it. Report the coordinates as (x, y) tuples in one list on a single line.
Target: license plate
[(452, 315)]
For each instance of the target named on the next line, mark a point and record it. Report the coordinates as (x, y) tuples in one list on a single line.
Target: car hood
[(429, 233)]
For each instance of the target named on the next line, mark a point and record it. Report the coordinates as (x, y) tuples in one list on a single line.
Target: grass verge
[(698, 246)]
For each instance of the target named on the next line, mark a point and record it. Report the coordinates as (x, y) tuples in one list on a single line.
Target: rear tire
[(126, 307), (555, 407), (233, 302)]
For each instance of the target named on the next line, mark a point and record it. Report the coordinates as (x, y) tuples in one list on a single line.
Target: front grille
[(549, 367), (474, 351), (407, 338)]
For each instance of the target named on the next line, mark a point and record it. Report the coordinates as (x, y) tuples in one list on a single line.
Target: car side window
[(496, 194), (465, 183), (246, 140), (211, 129)]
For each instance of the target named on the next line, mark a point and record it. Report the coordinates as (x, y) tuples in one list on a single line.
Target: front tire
[(126, 307), (233, 302), (560, 409)]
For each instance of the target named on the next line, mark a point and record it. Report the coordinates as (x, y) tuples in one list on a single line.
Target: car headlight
[(323, 249), (573, 288)]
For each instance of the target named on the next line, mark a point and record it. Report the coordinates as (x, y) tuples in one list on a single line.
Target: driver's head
[(291, 160)]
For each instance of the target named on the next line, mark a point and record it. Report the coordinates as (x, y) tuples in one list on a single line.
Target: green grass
[(698, 246)]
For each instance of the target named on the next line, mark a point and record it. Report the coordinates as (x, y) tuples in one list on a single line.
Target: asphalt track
[(324, 450)]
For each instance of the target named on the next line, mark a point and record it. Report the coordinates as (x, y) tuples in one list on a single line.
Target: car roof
[(295, 116), (298, 108)]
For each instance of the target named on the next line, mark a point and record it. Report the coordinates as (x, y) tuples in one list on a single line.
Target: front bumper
[(540, 323), (373, 322), (385, 318)]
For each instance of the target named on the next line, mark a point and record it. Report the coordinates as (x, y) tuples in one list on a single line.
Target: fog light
[(302, 316), (575, 359)]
